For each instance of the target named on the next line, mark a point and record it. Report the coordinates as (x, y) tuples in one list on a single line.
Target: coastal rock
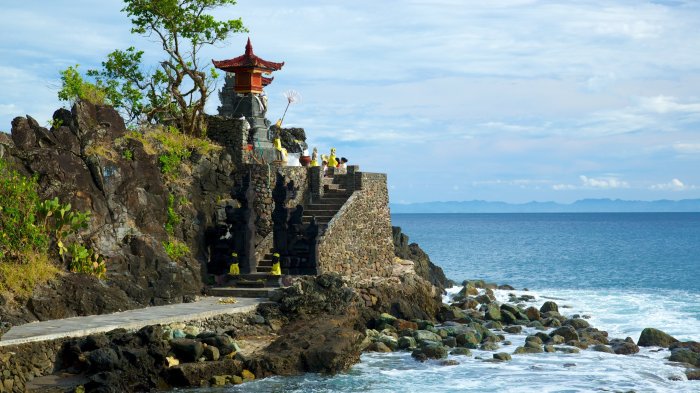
[(406, 342), (426, 335), (211, 353), (624, 347), (602, 348), (378, 346), (430, 351), (515, 311), (493, 312), (577, 323), (549, 306), (461, 351), (527, 349), (568, 332), (187, 350), (422, 264), (468, 339), (684, 355), (502, 356), (651, 337), (532, 313)]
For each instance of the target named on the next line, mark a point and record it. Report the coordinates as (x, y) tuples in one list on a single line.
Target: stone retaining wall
[(21, 363), (231, 134), (358, 240)]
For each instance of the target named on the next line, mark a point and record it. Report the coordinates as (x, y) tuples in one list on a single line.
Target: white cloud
[(687, 148), (666, 104), (561, 187), (673, 185), (606, 183), (609, 182)]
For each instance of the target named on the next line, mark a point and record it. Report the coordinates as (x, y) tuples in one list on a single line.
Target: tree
[(176, 90)]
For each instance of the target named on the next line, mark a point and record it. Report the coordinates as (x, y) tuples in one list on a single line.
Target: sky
[(499, 100)]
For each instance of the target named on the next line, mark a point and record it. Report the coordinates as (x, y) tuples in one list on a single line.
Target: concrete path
[(133, 319)]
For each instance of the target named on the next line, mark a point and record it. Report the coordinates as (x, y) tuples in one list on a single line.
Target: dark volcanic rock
[(549, 306), (568, 332), (423, 266), (651, 337), (624, 347)]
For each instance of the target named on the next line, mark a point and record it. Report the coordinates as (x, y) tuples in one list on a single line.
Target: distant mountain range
[(581, 206)]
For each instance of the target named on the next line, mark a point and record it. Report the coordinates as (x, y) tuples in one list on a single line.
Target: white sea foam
[(621, 313)]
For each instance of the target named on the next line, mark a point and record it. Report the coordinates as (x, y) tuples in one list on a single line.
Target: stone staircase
[(324, 209), (260, 284)]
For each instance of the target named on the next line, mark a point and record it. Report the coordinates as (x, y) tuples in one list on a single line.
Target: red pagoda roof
[(249, 59)]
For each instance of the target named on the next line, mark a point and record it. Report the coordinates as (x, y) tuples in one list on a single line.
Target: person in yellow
[(276, 268), (332, 161), (314, 158), (234, 270)]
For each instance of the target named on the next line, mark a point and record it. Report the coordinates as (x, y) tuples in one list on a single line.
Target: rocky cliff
[(84, 159)]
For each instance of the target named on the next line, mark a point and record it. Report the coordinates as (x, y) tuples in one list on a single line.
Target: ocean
[(627, 271)]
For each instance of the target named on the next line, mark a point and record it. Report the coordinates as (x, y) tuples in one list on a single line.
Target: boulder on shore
[(651, 337)]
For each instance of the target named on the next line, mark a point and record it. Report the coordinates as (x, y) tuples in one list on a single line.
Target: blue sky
[(508, 100)]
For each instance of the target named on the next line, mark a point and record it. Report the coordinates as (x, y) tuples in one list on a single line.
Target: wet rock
[(651, 337), (378, 347), (507, 317), (556, 339), (532, 313), (693, 375), (425, 335), (684, 355), (577, 323), (568, 332), (624, 347), (549, 306), (211, 353), (516, 312), (449, 341), (494, 325), (533, 339), (502, 356), (493, 312), (461, 351), (602, 348), (187, 350), (690, 345), (431, 351), (406, 342), (468, 340), (549, 348), (569, 350), (527, 349), (513, 329), (489, 346)]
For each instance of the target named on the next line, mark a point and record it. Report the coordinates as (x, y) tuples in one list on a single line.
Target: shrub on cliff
[(24, 262), (29, 227)]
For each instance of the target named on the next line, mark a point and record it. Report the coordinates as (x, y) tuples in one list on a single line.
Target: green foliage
[(176, 249), (176, 91), (172, 217), (54, 123), (86, 261), (21, 230), (74, 88), (29, 227), (171, 146), (128, 154)]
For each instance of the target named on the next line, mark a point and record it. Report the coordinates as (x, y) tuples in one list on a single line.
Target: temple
[(243, 96), (249, 70)]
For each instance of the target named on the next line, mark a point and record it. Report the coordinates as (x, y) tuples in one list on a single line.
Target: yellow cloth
[(276, 269), (234, 270), (332, 162), (313, 163)]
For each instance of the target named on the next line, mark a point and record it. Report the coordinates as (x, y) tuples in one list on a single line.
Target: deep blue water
[(561, 250)]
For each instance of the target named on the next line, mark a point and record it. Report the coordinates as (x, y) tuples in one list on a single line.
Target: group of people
[(330, 161)]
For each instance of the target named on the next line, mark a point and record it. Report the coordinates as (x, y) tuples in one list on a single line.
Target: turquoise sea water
[(560, 250), (627, 271)]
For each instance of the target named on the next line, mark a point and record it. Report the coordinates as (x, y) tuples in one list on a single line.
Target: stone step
[(241, 292), (319, 212)]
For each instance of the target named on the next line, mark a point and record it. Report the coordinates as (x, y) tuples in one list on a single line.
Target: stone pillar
[(350, 183), (316, 182)]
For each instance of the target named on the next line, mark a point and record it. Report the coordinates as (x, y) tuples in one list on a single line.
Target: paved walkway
[(133, 319)]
